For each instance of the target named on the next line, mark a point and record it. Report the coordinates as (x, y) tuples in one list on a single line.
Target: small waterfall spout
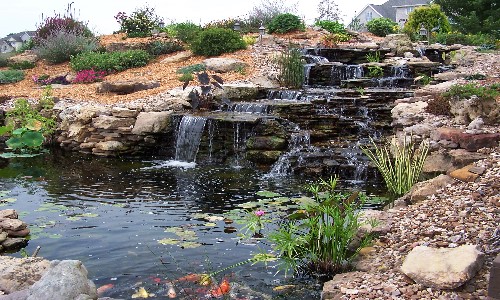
[(189, 134), (299, 141)]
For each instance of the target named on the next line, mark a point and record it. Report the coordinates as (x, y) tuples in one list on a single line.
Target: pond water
[(138, 222)]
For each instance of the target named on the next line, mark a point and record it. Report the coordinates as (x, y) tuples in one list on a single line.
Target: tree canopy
[(473, 16), (431, 17)]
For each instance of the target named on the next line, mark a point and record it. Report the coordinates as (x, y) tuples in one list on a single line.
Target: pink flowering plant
[(89, 76), (254, 221)]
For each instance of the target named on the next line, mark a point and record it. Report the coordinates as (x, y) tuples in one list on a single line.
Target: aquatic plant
[(373, 57), (375, 71), (399, 164), (319, 239)]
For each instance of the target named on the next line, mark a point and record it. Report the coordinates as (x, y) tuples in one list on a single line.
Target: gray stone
[(265, 82), (14, 243), (422, 130), (110, 122), (20, 273), (65, 279), (407, 114), (447, 76), (224, 65), (126, 87), (461, 157), (152, 122), (27, 55), (422, 190), (466, 110), (398, 43), (442, 268), (178, 57), (239, 91), (332, 289)]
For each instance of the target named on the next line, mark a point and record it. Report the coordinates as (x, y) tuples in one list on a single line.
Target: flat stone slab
[(443, 268)]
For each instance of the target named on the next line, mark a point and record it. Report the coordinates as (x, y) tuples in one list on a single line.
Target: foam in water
[(189, 134)]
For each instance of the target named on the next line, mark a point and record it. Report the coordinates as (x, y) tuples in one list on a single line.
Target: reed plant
[(399, 164), (291, 68)]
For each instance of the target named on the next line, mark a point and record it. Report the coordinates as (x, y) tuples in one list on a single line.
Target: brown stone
[(126, 87), (464, 174), (18, 233), (8, 214), (20, 273), (14, 243), (467, 141), (12, 224)]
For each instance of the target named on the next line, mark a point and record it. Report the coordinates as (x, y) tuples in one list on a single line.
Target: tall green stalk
[(291, 68), (400, 168)]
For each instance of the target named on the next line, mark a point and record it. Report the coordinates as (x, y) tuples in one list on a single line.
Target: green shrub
[(28, 45), (331, 26), (186, 32), (333, 39), (4, 60), (291, 68), (22, 65), (225, 23), (186, 77), (249, 40), (156, 48), (217, 41), (400, 165), (110, 61), (468, 90), (284, 23), (11, 76), (465, 39), (191, 69), (381, 26), (61, 46), (140, 23), (373, 57)]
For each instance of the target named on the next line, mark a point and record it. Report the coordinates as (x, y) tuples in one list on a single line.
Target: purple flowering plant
[(89, 76)]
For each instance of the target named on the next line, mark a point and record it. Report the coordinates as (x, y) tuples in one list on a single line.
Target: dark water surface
[(110, 213)]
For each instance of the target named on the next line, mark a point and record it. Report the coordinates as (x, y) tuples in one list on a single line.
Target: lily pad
[(51, 207), (168, 241), (267, 194), (210, 224), (249, 205), (305, 201)]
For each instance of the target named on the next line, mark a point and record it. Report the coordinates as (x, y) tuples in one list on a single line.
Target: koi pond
[(143, 225)]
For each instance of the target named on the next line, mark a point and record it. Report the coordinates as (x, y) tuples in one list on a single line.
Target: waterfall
[(283, 95), (189, 134), (252, 108), (314, 59), (299, 141), (345, 72), (360, 166), (400, 71)]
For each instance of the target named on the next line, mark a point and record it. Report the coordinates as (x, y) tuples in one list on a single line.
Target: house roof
[(17, 36), (388, 9)]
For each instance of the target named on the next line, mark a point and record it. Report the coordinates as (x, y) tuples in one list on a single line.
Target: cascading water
[(247, 107), (300, 141), (284, 95), (399, 74), (189, 134)]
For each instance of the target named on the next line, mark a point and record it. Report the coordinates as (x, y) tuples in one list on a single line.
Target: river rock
[(442, 268), (14, 243), (126, 87), (333, 289), (65, 279), (152, 122), (263, 157), (19, 233), (224, 65), (20, 273), (110, 146), (421, 190), (464, 174)]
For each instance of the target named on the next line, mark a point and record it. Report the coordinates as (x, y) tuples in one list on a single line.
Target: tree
[(473, 16), (431, 17), (328, 10)]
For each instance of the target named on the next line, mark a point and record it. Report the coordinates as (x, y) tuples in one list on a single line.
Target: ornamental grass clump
[(399, 164), (291, 68)]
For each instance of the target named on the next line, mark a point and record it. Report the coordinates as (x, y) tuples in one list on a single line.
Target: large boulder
[(28, 56), (399, 44), (224, 65), (407, 114), (65, 279), (152, 122), (126, 87), (239, 91), (424, 189), (178, 57), (20, 273), (467, 141), (466, 110), (444, 268), (110, 122)]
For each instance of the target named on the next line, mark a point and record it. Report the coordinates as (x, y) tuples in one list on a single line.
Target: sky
[(22, 15)]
